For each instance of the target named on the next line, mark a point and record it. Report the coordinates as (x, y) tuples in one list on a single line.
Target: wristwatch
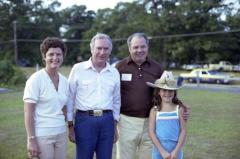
[(31, 137)]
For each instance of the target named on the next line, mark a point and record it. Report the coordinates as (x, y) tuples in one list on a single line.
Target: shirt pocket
[(86, 87), (85, 84)]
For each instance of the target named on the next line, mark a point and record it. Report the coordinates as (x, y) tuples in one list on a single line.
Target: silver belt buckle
[(97, 112)]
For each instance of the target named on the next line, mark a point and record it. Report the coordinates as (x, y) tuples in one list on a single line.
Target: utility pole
[(15, 42)]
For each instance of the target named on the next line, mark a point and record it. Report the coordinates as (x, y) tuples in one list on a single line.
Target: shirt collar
[(89, 65), (129, 60)]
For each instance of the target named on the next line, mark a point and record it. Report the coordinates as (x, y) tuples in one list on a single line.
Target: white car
[(236, 67), (206, 75), (191, 66)]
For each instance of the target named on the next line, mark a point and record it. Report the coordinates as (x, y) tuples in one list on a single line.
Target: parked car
[(222, 66), (236, 68), (206, 75), (191, 66)]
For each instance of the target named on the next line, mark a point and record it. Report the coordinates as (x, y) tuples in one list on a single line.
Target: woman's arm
[(182, 135), (152, 134), (32, 146)]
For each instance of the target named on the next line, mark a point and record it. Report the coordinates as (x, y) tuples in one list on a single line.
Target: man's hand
[(71, 133), (115, 133), (186, 113)]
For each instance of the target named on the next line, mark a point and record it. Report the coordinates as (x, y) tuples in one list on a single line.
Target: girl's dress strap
[(177, 107)]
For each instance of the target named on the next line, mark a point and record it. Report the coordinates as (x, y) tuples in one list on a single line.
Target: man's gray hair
[(100, 36), (137, 35)]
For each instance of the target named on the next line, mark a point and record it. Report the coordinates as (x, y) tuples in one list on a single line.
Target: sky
[(92, 4), (101, 4)]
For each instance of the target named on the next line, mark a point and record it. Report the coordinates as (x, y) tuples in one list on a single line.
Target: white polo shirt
[(48, 118), (89, 89)]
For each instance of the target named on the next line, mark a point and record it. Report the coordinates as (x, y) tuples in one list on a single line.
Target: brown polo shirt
[(136, 96)]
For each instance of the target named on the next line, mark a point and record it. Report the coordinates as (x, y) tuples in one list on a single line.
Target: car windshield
[(213, 72)]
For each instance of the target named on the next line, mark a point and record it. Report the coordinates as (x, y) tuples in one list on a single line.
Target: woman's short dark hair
[(52, 42)]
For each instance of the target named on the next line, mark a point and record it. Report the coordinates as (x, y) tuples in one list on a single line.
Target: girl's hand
[(174, 154), (166, 155)]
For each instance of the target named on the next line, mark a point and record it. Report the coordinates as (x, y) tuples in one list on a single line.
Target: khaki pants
[(53, 147), (134, 141)]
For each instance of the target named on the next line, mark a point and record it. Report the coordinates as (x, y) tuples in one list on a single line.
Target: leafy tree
[(43, 22), (170, 24), (77, 20), (179, 17), (34, 22), (9, 10), (119, 23), (231, 42)]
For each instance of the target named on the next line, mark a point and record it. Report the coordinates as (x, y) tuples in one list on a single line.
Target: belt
[(97, 112)]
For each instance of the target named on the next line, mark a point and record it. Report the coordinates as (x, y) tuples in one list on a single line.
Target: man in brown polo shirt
[(136, 96)]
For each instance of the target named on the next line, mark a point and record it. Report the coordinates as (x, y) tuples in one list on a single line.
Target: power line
[(194, 34), (6, 42), (124, 39)]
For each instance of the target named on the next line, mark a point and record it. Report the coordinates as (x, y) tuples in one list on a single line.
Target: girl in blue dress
[(167, 128)]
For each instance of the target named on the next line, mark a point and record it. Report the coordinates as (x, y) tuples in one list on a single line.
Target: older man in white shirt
[(95, 94)]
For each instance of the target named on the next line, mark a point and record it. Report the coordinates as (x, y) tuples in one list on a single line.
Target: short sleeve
[(31, 91)]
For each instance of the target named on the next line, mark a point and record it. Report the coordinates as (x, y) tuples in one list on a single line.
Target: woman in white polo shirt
[(45, 97)]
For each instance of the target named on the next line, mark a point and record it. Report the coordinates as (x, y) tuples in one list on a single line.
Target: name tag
[(126, 77)]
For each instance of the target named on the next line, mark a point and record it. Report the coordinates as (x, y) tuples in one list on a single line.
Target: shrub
[(19, 77), (6, 71), (10, 75)]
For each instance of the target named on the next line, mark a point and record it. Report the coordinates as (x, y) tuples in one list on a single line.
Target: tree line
[(180, 31)]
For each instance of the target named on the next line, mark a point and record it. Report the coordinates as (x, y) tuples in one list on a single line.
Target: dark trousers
[(94, 134)]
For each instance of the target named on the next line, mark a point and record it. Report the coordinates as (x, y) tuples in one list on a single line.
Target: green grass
[(212, 133), (213, 128)]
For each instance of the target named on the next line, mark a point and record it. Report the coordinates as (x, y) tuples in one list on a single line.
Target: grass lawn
[(213, 128)]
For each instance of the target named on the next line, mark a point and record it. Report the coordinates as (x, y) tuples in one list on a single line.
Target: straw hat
[(165, 82)]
